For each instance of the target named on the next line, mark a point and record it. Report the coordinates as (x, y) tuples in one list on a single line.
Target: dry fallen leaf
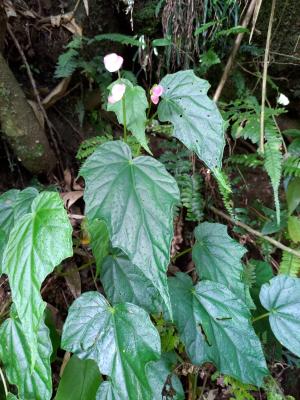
[(73, 279), (57, 93), (69, 198), (86, 6)]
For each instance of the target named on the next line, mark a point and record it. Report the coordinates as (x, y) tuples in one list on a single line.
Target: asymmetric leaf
[(230, 341), (80, 380), (121, 339), (124, 282), (218, 258), (197, 121), (135, 197), (15, 354), (136, 104), (281, 297), (37, 243)]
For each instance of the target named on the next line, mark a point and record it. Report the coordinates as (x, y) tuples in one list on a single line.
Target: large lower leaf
[(15, 354), (124, 282), (218, 258), (121, 339), (228, 339), (135, 197), (7, 203), (135, 105), (80, 380), (281, 297), (38, 242), (107, 392), (197, 122)]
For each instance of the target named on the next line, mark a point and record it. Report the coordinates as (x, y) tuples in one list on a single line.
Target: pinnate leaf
[(281, 297), (228, 339), (15, 354), (121, 339), (38, 242), (197, 122), (135, 198), (218, 258)]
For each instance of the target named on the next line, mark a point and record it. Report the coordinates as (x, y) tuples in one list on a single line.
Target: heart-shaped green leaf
[(281, 297), (107, 392), (135, 197), (100, 242), (37, 243), (23, 202), (80, 380), (135, 105), (15, 354), (197, 121), (218, 258), (7, 203), (124, 282), (121, 339), (228, 339)]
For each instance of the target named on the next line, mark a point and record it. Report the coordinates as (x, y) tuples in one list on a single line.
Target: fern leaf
[(291, 166), (191, 197), (67, 64), (273, 163), (224, 188), (246, 160), (117, 37), (249, 274), (290, 264)]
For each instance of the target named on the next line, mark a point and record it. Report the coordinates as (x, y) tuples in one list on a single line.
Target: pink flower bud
[(117, 92), (113, 62), (154, 99), (157, 90)]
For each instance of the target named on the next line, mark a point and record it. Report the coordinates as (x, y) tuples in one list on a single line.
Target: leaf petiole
[(260, 317)]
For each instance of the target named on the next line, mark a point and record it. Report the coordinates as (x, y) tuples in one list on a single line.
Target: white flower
[(117, 92), (283, 100), (113, 62)]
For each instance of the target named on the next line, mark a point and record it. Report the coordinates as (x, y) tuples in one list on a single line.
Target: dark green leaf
[(80, 380), (204, 27), (294, 228), (15, 354), (23, 202), (136, 104), (228, 337), (197, 122), (218, 258), (100, 243), (118, 38), (293, 194), (124, 282), (38, 242), (281, 297), (107, 392), (161, 42), (135, 197), (11, 396), (7, 203), (121, 339)]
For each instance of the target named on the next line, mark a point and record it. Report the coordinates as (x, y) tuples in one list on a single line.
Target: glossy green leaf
[(80, 380), (136, 104), (217, 329), (124, 282), (218, 258), (107, 392), (158, 373), (23, 202), (294, 228), (7, 203), (121, 339), (11, 396), (281, 297), (197, 122), (135, 197), (15, 354), (39, 241), (3, 241), (293, 194), (100, 242)]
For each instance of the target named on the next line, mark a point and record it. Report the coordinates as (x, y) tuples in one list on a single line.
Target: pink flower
[(117, 92), (113, 62), (154, 99), (156, 92)]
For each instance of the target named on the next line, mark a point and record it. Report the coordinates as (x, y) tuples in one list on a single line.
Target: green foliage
[(68, 62), (196, 119), (130, 342), (239, 390), (246, 160), (88, 146), (289, 265), (224, 188), (191, 198), (291, 166)]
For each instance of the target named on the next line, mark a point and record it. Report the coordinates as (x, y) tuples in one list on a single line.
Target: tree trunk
[(21, 127)]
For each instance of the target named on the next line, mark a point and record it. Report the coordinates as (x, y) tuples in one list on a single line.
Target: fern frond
[(273, 162), (88, 146), (291, 166), (249, 274), (290, 264), (191, 198), (67, 64), (118, 38), (224, 188), (246, 160)]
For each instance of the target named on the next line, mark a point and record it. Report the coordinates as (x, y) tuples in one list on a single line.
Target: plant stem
[(124, 118), (194, 396), (264, 82), (4, 382), (260, 317), (255, 232), (151, 119), (181, 254)]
